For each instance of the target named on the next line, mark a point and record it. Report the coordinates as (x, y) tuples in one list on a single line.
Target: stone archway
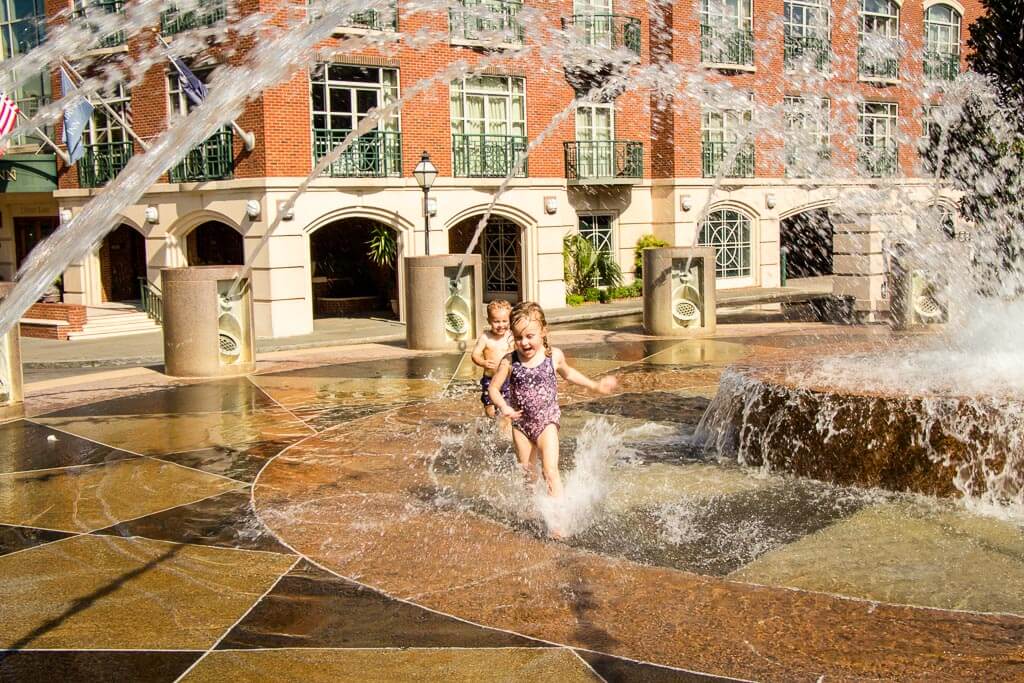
[(345, 280), (501, 247), (122, 264), (807, 239), (214, 244)]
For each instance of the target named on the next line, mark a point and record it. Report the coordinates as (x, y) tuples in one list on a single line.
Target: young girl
[(533, 406)]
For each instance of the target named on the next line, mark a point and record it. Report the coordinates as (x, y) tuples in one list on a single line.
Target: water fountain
[(679, 291), (11, 396)]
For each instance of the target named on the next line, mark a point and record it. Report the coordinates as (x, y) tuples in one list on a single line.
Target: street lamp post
[(425, 173)]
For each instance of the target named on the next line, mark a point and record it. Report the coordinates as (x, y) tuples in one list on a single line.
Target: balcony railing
[(376, 154), (375, 19), (871, 64), (101, 162), (714, 155), (211, 160), (606, 30), (93, 7), (604, 161), (941, 66), (473, 19), (487, 156), (208, 13), (879, 162), (726, 45), (812, 49), (803, 162)]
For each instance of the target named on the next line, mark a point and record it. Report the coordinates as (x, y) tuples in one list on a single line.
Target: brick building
[(766, 116)]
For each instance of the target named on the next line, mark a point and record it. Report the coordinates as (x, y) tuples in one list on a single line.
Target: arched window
[(729, 231), (941, 43)]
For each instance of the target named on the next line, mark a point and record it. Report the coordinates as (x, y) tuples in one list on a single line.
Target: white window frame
[(736, 14), (607, 244), (936, 26), (808, 128), (515, 89), (719, 217)]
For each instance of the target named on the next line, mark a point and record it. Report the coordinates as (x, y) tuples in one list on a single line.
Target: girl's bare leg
[(526, 454), (547, 443), (489, 410)]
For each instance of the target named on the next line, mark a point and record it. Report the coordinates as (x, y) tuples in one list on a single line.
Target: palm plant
[(586, 266), (382, 247)]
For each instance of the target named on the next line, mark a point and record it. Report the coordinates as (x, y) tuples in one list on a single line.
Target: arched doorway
[(122, 264), (807, 241), (215, 244), (731, 232), (353, 265), (501, 248)]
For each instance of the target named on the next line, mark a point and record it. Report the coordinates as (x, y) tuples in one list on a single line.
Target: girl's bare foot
[(555, 534)]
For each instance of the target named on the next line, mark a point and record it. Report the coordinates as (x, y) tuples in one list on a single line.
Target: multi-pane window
[(729, 232), (104, 128), (727, 31), (383, 19), (22, 25), (213, 158), (808, 144), (806, 26), (597, 229), (488, 124), (877, 147), (342, 97), (724, 132), (475, 19), (879, 34), (500, 250), (941, 43), (595, 129)]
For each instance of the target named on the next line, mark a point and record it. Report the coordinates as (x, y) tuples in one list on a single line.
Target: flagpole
[(117, 117), (248, 138), (61, 153)]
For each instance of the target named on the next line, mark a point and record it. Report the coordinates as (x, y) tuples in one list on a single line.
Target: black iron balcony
[(726, 45), (93, 8), (873, 64), (611, 31), (211, 160), (879, 162), (375, 19), (941, 66), (101, 162), (811, 49), (806, 162), (207, 13), (376, 154), (487, 156), (715, 154), (603, 162), (474, 19)]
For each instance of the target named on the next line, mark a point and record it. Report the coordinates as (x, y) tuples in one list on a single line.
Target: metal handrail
[(941, 66), (714, 154), (726, 45), (603, 159), (476, 17), (152, 300), (375, 154), (487, 156), (871, 65), (879, 162), (212, 159), (108, 7), (101, 162), (796, 48), (207, 13), (607, 30)]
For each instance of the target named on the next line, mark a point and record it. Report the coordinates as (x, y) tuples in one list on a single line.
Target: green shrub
[(584, 265), (574, 300), (605, 296), (591, 294), (644, 242)]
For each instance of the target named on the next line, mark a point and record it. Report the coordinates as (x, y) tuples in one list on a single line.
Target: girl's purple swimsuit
[(534, 392)]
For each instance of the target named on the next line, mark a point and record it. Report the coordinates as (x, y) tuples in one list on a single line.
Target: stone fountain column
[(438, 316), (679, 291), (12, 398), (858, 263), (208, 324)]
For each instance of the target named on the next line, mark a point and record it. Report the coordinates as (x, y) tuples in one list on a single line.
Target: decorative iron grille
[(714, 155), (719, 45), (101, 162), (487, 156), (606, 30), (603, 159), (376, 154), (213, 159)]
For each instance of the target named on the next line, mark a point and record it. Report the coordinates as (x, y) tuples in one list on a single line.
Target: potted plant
[(382, 250)]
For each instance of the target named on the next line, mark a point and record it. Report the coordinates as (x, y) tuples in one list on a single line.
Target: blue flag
[(76, 116), (194, 88)]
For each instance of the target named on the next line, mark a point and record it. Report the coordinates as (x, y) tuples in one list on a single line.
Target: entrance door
[(122, 263)]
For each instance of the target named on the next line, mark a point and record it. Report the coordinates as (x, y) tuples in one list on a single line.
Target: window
[(500, 250), (878, 152), (806, 27), (342, 96), (475, 19), (723, 134), (95, 9), (597, 230), (383, 19), (808, 130), (595, 130), (879, 34), (729, 232), (941, 43), (488, 125), (213, 159), (22, 27), (108, 146), (727, 32)]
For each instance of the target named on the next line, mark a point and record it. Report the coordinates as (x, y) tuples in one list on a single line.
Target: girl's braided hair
[(526, 312)]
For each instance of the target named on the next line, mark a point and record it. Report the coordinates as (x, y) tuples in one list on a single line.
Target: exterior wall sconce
[(286, 214), (152, 214), (66, 215), (431, 206), (769, 200), (252, 209), (550, 205), (686, 202)]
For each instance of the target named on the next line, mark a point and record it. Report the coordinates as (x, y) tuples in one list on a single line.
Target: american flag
[(8, 116)]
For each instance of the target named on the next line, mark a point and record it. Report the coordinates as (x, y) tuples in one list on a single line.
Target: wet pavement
[(348, 515)]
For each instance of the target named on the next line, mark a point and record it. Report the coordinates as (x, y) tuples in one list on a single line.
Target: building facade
[(777, 110)]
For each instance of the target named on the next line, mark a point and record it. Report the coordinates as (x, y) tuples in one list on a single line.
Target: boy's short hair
[(497, 305)]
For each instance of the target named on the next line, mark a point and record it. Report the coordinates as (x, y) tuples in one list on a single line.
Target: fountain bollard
[(439, 317), (679, 291), (918, 296), (208, 324), (12, 405)]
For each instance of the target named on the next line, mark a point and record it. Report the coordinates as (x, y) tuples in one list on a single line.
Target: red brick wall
[(73, 314)]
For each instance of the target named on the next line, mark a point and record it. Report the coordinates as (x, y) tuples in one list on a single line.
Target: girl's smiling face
[(529, 338)]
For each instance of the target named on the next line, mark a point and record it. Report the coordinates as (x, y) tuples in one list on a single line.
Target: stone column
[(679, 291), (439, 317), (12, 398), (859, 264)]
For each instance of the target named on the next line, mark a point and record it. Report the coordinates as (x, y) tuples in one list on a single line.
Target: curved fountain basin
[(784, 417)]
